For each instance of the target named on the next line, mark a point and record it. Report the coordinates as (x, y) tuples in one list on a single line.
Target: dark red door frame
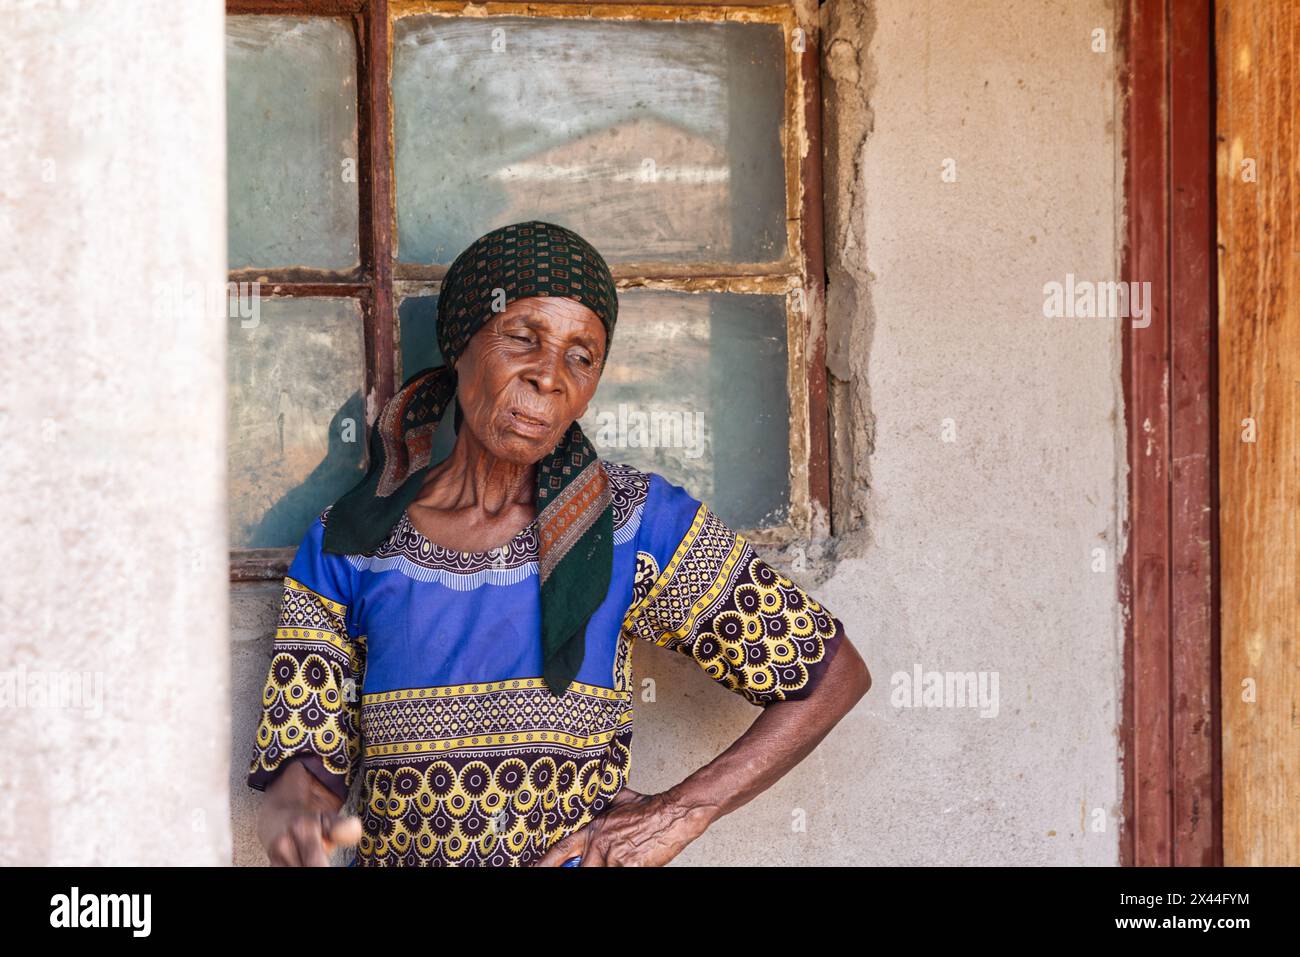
[(1169, 577)]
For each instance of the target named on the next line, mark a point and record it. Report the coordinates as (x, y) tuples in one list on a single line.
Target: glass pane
[(695, 390), (291, 142), (654, 140), (418, 329), (297, 424)]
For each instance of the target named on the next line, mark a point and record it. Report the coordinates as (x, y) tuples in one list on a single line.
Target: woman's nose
[(546, 374)]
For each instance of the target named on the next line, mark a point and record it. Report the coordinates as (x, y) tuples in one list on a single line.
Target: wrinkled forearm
[(782, 736)]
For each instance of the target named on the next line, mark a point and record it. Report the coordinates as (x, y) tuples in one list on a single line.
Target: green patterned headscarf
[(574, 508)]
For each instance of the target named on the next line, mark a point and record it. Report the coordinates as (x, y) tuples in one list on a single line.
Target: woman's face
[(528, 373)]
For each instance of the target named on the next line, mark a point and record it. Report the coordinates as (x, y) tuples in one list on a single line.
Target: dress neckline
[(429, 547)]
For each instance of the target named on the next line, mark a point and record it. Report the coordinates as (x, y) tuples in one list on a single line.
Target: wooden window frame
[(1170, 729), (381, 282)]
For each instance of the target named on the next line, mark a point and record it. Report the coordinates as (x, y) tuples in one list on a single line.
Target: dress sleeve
[(700, 589), (311, 703)]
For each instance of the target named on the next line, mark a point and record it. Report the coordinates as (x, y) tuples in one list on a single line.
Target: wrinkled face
[(528, 373)]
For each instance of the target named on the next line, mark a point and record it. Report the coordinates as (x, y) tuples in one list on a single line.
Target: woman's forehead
[(558, 313), (551, 305)]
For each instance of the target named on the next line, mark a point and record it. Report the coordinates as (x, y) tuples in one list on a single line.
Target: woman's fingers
[(306, 839), (594, 855), (561, 851), (283, 852), (309, 836)]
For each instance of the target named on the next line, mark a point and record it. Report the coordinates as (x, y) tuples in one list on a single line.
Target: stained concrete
[(112, 407), (970, 555), (977, 554)]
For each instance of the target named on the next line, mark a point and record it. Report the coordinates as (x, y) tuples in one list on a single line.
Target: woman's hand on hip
[(636, 830)]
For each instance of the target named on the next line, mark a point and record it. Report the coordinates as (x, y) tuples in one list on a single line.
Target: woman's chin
[(523, 449)]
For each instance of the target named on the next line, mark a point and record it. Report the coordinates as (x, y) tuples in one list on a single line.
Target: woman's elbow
[(862, 681), (856, 677), (860, 676)]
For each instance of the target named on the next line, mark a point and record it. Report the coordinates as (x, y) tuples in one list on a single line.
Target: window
[(371, 141)]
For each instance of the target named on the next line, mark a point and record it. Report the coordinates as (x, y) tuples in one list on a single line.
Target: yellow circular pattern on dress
[(506, 807), (800, 622), (742, 646), (770, 601), (523, 800), (783, 652)]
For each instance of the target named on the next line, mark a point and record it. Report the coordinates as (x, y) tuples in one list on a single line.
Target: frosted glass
[(297, 422), (695, 390), (291, 142), (654, 140)]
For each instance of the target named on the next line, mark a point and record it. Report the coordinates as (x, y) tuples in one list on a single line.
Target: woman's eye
[(521, 339), (584, 359)]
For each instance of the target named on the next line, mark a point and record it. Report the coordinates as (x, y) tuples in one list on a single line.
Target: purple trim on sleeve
[(262, 779)]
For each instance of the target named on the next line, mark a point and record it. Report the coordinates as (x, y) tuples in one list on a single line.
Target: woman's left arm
[(652, 829)]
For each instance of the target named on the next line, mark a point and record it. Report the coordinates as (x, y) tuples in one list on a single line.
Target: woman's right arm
[(299, 822), (308, 740)]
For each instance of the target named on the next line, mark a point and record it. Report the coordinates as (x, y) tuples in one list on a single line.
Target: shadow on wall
[(288, 519)]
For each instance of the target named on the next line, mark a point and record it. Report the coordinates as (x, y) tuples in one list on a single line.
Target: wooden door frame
[(1169, 583)]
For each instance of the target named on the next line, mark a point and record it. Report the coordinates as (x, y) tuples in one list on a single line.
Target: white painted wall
[(980, 551), (112, 409)]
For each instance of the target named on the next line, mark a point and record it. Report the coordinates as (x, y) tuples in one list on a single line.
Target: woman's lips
[(529, 425)]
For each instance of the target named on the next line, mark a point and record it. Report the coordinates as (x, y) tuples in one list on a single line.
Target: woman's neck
[(476, 489)]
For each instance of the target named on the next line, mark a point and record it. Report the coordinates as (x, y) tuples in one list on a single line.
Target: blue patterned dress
[(418, 668)]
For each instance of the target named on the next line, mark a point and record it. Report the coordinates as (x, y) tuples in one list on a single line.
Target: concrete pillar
[(114, 651)]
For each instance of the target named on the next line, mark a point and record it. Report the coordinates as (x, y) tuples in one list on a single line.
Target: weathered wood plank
[(1259, 389)]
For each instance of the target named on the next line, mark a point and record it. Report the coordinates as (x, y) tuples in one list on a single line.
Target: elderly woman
[(460, 634)]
